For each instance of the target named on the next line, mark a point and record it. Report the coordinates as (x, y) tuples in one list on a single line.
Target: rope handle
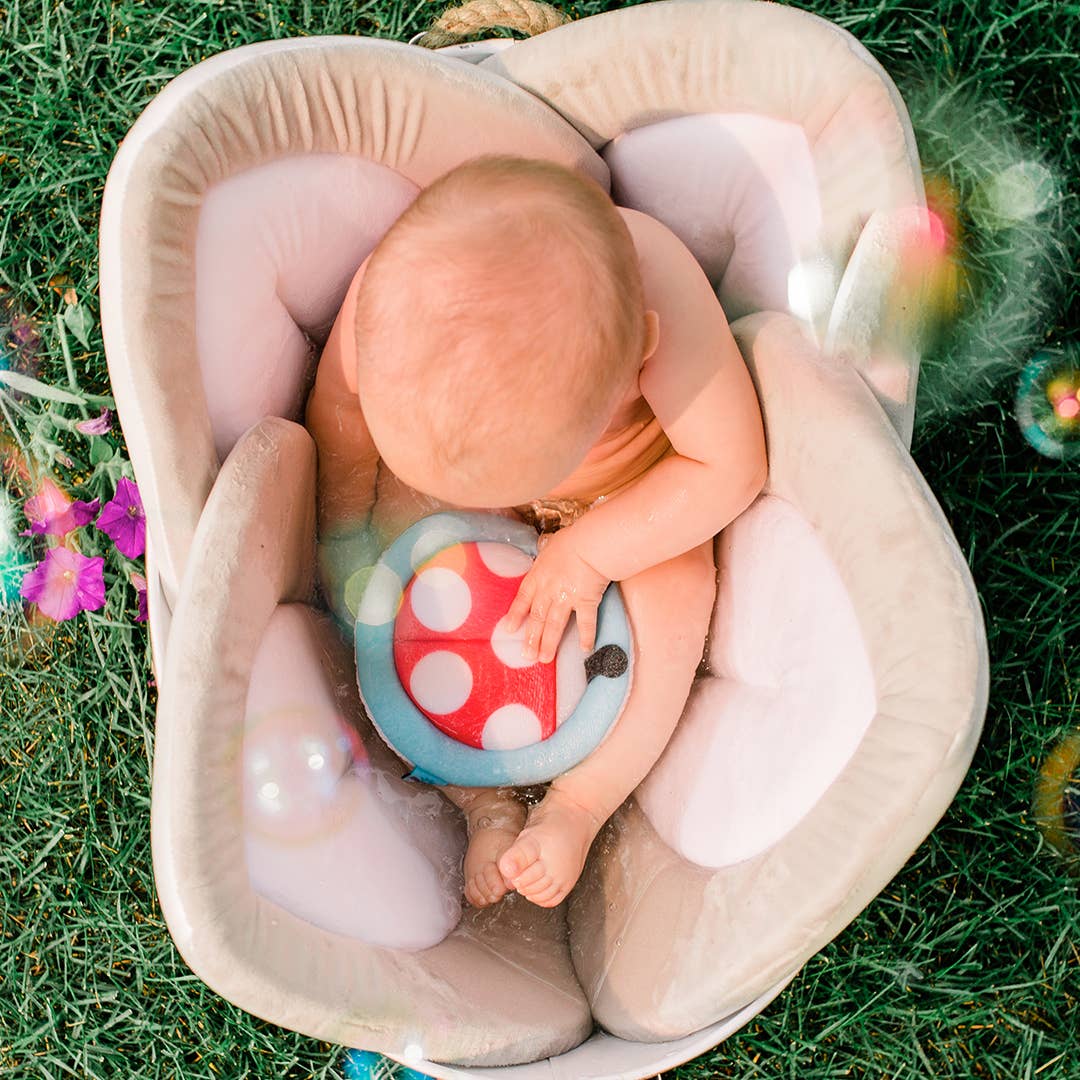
[(531, 17)]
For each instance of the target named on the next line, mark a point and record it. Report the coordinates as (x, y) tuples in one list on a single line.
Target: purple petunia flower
[(140, 591), (122, 518), (51, 512), (65, 583), (98, 426)]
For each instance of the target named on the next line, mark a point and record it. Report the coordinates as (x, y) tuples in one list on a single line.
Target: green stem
[(72, 384)]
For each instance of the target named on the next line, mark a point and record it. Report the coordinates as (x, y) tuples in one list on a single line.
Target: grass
[(966, 966)]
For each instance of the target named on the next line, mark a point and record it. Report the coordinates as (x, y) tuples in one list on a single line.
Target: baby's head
[(499, 323)]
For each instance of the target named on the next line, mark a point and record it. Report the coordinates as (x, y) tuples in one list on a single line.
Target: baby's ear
[(652, 334)]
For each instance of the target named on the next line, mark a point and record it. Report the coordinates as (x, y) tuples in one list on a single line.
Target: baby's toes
[(479, 891), (537, 888), (530, 878), (473, 894), (493, 884), (522, 854), (550, 897)]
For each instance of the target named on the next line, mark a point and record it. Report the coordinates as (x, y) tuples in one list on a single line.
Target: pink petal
[(60, 524), (46, 504), (98, 426), (140, 592), (123, 519), (65, 583)]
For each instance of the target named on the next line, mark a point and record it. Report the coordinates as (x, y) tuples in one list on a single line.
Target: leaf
[(77, 319), (100, 451), (25, 385)]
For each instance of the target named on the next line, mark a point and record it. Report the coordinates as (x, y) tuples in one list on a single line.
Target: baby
[(517, 341)]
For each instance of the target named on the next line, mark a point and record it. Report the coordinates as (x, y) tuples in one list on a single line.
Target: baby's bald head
[(500, 321)]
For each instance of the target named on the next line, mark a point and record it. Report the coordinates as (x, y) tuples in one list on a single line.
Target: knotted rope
[(531, 17)]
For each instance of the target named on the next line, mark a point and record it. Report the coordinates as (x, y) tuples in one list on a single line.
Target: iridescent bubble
[(1056, 806), (1048, 404), (292, 771), (1014, 194)]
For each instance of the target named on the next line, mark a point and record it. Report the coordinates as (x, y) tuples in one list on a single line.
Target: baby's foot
[(492, 829), (546, 860)]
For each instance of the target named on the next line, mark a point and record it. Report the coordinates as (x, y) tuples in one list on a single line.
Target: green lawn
[(967, 965)]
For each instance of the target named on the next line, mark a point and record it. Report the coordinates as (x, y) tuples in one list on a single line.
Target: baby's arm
[(697, 384), (699, 389), (347, 464), (347, 458)]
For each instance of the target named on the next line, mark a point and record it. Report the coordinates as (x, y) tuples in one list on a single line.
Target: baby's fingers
[(554, 627), (586, 621), (521, 606)]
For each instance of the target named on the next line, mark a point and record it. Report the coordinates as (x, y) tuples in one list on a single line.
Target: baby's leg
[(495, 818), (669, 607)]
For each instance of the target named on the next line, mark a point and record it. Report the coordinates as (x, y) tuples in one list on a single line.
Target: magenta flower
[(123, 519), (98, 426), (65, 583), (51, 512), (140, 591)]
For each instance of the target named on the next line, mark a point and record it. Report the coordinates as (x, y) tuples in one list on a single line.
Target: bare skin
[(654, 536)]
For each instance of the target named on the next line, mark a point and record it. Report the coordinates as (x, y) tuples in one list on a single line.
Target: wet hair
[(523, 295)]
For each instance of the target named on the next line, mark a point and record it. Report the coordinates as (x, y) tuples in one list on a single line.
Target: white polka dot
[(510, 728), (508, 647), (441, 682), (381, 598), (504, 559), (441, 532), (440, 599)]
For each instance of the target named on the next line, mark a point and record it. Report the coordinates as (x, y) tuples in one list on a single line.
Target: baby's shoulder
[(675, 285), (654, 241)]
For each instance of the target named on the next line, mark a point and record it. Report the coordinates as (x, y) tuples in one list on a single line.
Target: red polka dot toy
[(449, 690), (456, 661)]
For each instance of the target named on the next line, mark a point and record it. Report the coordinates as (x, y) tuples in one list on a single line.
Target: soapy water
[(1048, 404)]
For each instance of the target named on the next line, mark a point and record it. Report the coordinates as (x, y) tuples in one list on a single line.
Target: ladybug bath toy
[(446, 686)]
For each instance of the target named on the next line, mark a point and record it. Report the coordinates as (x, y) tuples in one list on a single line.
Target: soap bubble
[(292, 776), (1048, 404), (1014, 194), (928, 281), (1056, 806)]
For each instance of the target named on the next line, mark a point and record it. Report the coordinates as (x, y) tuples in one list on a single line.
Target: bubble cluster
[(1048, 403)]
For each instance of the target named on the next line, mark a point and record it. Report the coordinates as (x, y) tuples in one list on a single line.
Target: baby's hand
[(560, 581)]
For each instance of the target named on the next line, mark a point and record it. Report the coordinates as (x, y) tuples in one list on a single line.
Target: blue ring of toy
[(435, 757)]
